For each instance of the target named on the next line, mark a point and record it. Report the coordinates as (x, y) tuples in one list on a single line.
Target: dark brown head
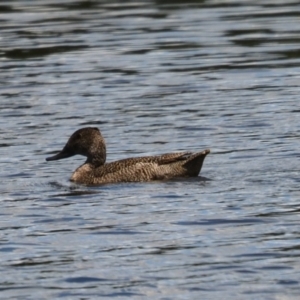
[(87, 142)]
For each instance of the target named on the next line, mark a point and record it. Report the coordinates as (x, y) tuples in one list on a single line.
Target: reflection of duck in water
[(90, 143)]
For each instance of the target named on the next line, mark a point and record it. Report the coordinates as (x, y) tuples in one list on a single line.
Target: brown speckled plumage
[(90, 143)]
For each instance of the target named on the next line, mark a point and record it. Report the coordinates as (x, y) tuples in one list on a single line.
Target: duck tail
[(194, 163)]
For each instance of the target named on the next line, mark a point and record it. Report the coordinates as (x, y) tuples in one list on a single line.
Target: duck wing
[(122, 164)]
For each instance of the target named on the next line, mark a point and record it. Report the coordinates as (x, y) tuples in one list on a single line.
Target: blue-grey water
[(155, 77)]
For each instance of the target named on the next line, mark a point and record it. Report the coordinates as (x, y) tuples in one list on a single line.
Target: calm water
[(155, 77)]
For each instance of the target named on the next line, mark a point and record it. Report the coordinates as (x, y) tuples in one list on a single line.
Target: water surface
[(155, 77)]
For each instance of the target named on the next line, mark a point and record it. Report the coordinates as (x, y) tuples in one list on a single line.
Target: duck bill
[(65, 153)]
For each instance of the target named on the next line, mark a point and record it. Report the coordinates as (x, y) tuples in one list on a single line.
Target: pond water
[(155, 77)]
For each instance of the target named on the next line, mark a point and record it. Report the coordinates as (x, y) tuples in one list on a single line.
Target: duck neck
[(96, 160)]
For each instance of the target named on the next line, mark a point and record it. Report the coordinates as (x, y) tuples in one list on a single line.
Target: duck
[(90, 143)]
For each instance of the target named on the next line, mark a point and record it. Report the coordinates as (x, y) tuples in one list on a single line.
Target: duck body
[(90, 143)]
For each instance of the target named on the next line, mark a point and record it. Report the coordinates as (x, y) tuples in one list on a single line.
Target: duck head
[(87, 142)]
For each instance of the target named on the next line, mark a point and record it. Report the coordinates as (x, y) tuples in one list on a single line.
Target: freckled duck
[(90, 143)]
